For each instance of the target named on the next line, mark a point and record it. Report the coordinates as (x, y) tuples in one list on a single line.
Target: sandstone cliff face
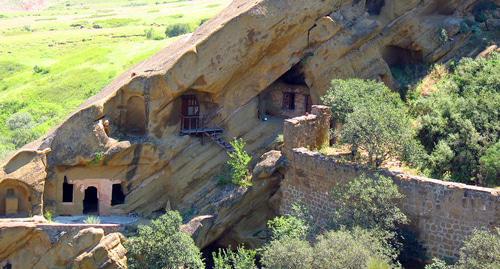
[(24, 245), (129, 133)]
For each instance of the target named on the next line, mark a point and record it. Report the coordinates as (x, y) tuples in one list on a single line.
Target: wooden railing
[(199, 122), (191, 122)]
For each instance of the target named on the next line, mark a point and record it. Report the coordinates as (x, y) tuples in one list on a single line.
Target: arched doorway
[(15, 199), (91, 201)]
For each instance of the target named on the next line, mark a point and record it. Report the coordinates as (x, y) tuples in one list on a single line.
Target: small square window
[(288, 101)]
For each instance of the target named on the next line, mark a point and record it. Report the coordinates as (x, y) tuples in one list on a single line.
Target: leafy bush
[(98, 157), (370, 203), (92, 220), (48, 215), (490, 166), (459, 122), (351, 249), (236, 170), (162, 245), (20, 120), (23, 136), (288, 226), (152, 35), (40, 70), (437, 264), (240, 259), (480, 251), (177, 29), (287, 253)]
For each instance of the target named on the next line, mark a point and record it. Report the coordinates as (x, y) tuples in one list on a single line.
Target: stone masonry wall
[(442, 213), (311, 131)]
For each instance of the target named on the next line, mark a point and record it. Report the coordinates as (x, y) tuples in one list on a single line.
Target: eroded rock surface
[(28, 246)]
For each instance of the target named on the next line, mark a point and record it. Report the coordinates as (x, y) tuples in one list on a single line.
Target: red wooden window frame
[(190, 112)]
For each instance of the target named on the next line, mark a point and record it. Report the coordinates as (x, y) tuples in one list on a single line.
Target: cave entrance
[(135, 123), (288, 97), (407, 67), (374, 7), (91, 201), (398, 56)]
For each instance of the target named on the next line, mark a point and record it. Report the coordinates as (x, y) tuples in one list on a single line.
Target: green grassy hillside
[(54, 59)]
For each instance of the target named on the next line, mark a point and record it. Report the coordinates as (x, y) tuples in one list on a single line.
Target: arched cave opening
[(374, 7), (15, 199), (407, 66), (135, 120), (288, 97), (294, 76), (398, 56), (91, 201), (117, 195)]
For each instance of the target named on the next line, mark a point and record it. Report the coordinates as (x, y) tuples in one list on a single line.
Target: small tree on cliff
[(161, 244), (236, 170)]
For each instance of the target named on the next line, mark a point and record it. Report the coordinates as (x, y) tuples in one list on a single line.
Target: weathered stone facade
[(442, 213)]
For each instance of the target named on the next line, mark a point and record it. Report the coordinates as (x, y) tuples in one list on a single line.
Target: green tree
[(368, 202), (287, 253), (240, 259), (480, 251), (356, 248), (162, 245), (381, 130), (236, 170)]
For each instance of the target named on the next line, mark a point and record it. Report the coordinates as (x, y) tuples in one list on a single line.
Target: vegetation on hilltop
[(52, 60)]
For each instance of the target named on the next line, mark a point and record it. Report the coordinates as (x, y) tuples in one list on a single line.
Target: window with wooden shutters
[(288, 101)]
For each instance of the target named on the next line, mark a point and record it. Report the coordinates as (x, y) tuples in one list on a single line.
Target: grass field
[(53, 59)]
